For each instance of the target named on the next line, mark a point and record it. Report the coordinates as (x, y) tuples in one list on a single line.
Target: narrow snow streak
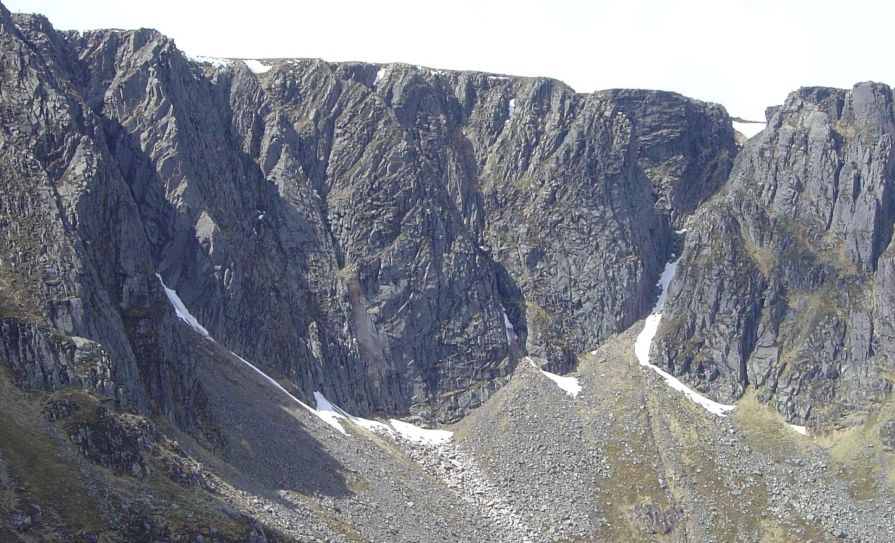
[(257, 67), (568, 384), (508, 326), (187, 317), (512, 107), (645, 340), (379, 76), (333, 412), (182, 312)]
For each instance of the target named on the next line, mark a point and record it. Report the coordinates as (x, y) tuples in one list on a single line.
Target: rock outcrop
[(786, 279), (369, 231), (411, 243)]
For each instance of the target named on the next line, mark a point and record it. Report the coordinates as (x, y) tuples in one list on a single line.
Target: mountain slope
[(195, 252), (364, 237)]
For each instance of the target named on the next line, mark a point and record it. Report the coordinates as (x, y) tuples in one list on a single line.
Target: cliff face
[(400, 239), (367, 231), (785, 282)]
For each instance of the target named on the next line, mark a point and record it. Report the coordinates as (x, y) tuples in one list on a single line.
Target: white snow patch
[(379, 76), (800, 429), (420, 435), (645, 339), (182, 312), (328, 413), (371, 425), (256, 66), (681, 231), (748, 129), (508, 326), (497, 78), (512, 107), (184, 315), (214, 61), (568, 384), (331, 412), (664, 281)]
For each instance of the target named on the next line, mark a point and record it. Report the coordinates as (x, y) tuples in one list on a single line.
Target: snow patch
[(748, 129), (256, 66), (645, 339), (512, 107), (508, 326), (497, 78), (214, 61), (370, 425), (800, 429), (379, 76), (569, 384), (182, 312), (184, 315), (331, 412), (328, 413), (416, 434), (664, 281)]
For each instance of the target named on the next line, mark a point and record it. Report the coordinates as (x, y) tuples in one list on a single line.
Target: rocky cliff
[(418, 243), (367, 231), (785, 282)]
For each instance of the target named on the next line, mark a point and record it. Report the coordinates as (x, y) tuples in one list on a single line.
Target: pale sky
[(746, 55)]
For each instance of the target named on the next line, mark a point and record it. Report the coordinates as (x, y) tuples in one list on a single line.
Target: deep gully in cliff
[(431, 449), (645, 340), (329, 413)]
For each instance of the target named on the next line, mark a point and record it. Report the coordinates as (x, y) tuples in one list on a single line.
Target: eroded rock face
[(785, 282), (362, 230)]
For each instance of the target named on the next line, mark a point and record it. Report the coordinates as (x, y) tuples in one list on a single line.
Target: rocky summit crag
[(787, 277), (408, 242)]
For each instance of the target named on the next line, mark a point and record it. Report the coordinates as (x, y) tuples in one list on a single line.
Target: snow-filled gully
[(325, 411), (645, 339)]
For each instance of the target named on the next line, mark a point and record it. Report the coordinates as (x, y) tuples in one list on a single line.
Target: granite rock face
[(406, 241), (786, 279), (369, 231)]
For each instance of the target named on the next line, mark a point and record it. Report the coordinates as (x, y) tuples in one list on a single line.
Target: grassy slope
[(39, 464)]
